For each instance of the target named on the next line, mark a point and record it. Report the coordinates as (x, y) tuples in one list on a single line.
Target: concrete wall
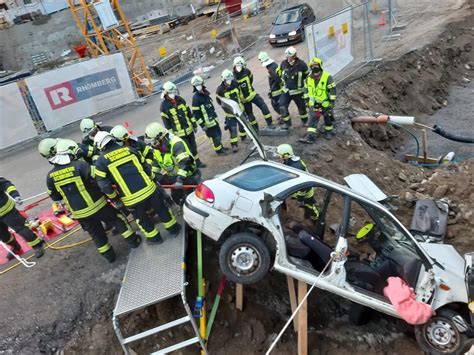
[(59, 32)]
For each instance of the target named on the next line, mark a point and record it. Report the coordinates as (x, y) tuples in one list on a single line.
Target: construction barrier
[(80, 90), (15, 120)]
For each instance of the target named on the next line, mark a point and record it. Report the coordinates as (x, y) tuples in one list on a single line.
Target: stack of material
[(3, 23)]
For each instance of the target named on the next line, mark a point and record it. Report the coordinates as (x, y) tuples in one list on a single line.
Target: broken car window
[(260, 177)]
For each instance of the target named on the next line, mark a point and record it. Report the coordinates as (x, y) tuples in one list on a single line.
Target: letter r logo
[(60, 95)]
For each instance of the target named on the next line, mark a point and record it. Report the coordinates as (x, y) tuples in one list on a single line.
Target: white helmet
[(101, 139), (285, 151), (197, 80), (265, 59), (227, 75), (290, 52), (47, 147), (120, 133), (66, 146), (87, 126), (170, 88), (239, 61)]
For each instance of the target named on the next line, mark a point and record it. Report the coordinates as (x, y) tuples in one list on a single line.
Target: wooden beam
[(302, 320), (420, 159), (239, 297), (292, 292)]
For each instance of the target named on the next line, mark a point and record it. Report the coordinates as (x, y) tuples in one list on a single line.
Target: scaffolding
[(114, 36)]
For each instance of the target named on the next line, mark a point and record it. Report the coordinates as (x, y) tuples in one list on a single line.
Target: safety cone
[(127, 126), (382, 21)]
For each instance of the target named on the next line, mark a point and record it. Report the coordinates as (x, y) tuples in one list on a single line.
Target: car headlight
[(272, 35), (292, 33)]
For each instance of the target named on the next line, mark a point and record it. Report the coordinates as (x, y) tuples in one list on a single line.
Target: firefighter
[(125, 168), (294, 73), (123, 137), (174, 163), (249, 96), (205, 114), (47, 147), (70, 182), (304, 197), (89, 129), (321, 95), (274, 80), (11, 218), (178, 118), (229, 88)]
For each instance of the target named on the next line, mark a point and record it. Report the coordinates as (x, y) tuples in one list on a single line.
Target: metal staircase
[(155, 274)]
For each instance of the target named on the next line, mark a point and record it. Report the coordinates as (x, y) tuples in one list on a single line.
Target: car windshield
[(259, 177), (287, 17)]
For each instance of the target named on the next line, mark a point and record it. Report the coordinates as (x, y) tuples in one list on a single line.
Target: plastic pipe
[(402, 120), (440, 130)]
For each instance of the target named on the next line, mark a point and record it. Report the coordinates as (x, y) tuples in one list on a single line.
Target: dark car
[(289, 25)]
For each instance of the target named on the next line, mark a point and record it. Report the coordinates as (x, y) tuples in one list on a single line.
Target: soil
[(66, 303)]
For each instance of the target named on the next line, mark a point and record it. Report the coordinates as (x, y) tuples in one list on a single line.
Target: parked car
[(289, 25), (242, 209)]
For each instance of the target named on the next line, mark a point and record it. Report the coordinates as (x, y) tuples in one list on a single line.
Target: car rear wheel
[(440, 335), (244, 258)]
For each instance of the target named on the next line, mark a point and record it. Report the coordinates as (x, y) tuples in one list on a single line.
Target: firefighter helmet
[(155, 131), (197, 80), (316, 61), (101, 139), (290, 52), (120, 133), (66, 146), (285, 151), (87, 126), (264, 58), (47, 147), (239, 61), (170, 88), (227, 75)]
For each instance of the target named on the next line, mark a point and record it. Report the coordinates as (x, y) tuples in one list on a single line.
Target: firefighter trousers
[(285, 100), (179, 195), (275, 101), (260, 103), (144, 221), (109, 216), (231, 125), (190, 140), (16, 221), (214, 134), (314, 116)]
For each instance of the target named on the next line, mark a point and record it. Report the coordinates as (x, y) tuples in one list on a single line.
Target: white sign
[(81, 90), (331, 40), (15, 119)]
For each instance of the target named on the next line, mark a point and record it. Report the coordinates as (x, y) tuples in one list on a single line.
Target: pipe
[(440, 131), (382, 119)]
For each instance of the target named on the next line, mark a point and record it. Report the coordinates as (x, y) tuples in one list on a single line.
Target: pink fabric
[(404, 300)]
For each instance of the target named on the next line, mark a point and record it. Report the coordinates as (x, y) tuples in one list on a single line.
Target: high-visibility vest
[(317, 92)]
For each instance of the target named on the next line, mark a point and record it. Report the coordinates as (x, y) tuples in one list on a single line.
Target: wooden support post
[(424, 143), (302, 320), (239, 297), (292, 293)]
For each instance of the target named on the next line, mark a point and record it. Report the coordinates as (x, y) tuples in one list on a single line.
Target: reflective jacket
[(174, 158), (74, 184), (321, 92), (141, 147), (203, 109), (245, 80), (126, 169), (177, 117), (298, 163), (6, 203), (89, 152), (294, 76), (274, 79), (231, 92)]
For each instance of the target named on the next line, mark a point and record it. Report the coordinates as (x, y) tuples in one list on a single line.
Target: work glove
[(178, 184), (18, 200)]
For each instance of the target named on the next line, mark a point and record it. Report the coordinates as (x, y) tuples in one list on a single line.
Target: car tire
[(440, 336), (244, 258)]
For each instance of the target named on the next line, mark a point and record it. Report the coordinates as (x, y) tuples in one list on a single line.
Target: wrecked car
[(242, 210)]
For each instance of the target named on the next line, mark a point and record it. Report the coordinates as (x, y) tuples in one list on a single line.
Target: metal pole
[(390, 14), (196, 49), (369, 32)]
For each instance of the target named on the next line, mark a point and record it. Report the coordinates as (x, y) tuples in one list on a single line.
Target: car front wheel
[(244, 258), (440, 335)]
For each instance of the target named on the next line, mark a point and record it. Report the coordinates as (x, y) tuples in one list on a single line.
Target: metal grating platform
[(154, 273)]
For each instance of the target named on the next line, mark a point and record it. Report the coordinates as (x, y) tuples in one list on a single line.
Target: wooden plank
[(420, 159), (292, 292), (239, 297), (302, 320)]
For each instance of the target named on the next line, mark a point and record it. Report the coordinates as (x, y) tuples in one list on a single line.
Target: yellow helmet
[(316, 61)]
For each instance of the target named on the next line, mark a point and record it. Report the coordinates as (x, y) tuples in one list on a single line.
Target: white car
[(242, 209)]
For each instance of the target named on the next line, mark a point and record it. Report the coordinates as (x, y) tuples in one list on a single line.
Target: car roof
[(296, 7)]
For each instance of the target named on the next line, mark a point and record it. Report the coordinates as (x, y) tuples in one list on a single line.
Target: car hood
[(447, 256), (285, 28)]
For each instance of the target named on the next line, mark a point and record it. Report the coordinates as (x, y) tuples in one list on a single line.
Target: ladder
[(155, 273)]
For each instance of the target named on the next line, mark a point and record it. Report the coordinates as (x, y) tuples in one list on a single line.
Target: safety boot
[(308, 139), (200, 164), (39, 250), (110, 255), (134, 241), (221, 152), (174, 231), (16, 248), (235, 149), (329, 134), (155, 240)]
